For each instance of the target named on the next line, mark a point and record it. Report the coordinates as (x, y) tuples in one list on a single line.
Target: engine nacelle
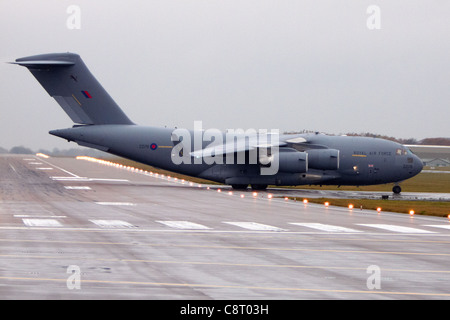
[(323, 159), (293, 162)]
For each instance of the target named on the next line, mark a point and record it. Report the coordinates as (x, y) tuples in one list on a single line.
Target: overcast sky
[(281, 64)]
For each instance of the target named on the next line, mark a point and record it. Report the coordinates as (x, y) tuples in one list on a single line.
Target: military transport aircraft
[(255, 158)]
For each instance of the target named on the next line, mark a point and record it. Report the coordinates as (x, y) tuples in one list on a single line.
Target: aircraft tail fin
[(67, 79)]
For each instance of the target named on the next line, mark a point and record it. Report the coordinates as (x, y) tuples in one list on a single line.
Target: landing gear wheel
[(259, 186), (239, 186), (396, 189)]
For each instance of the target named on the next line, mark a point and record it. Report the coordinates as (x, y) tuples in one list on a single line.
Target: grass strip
[(431, 208)]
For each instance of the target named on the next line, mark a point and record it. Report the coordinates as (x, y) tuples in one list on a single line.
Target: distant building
[(436, 162), (432, 156)]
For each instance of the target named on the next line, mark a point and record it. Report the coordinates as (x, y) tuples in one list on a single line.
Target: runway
[(76, 229)]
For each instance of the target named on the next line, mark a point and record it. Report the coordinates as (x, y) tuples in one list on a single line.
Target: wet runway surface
[(75, 229)]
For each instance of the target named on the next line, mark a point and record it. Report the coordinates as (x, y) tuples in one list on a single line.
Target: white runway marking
[(69, 178), (33, 216), (84, 179), (77, 188), (112, 224), (255, 226), (443, 226), (395, 228), (116, 203), (63, 170), (184, 225), (44, 168), (324, 227), (108, 180), (41, 223)]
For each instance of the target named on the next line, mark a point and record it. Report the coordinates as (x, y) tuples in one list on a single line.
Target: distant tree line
[(426, 141), (436, 141), (17, 150), (73, 152)]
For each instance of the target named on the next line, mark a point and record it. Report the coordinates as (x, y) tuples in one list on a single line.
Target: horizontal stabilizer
[(40, 63)]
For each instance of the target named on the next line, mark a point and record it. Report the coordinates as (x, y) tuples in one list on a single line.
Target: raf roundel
[(153, 146)]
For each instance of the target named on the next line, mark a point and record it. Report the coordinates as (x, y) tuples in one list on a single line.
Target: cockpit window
[(402, 152)]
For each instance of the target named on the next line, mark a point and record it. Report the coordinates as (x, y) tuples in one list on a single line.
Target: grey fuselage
[(288, 160), (361, 160)]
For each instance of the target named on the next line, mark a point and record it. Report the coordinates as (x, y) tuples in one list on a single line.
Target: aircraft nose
[(418, 165)]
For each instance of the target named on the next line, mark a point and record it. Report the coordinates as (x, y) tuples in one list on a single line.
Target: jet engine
[(288, 161), (323, 159)]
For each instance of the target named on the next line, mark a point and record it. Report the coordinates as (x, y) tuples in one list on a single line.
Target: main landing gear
[(244, 186), (259, 186), (396, 189), (239, 186)]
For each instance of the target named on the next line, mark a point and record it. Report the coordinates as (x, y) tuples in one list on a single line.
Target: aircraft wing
[(247, 143)]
